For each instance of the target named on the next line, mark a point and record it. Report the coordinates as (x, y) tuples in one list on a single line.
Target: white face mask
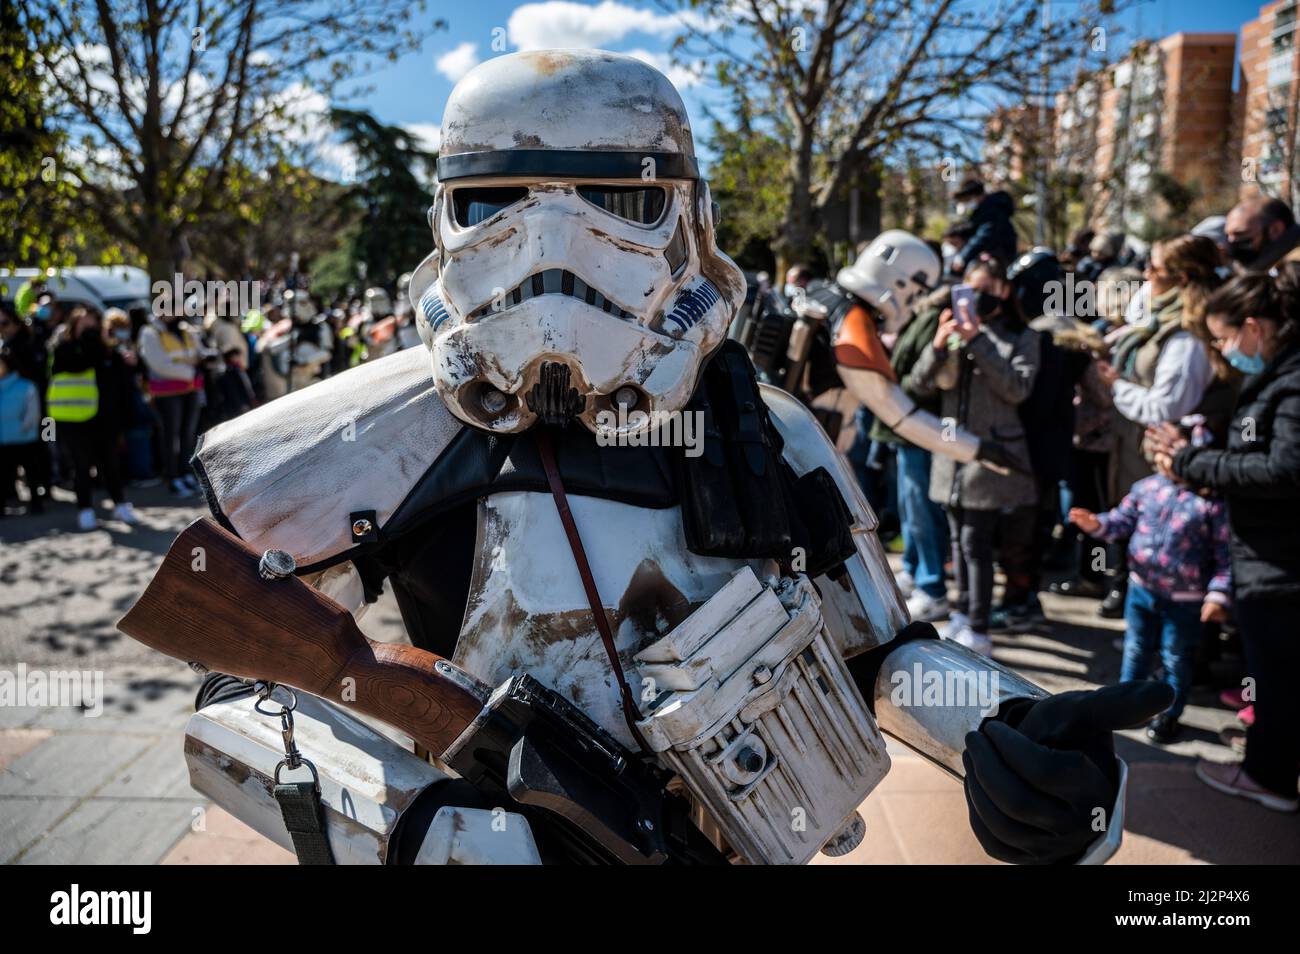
[(948, 251), (965, 208), (792, 291)]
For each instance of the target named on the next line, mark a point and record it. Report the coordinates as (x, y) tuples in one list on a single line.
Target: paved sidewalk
[(113, 788)]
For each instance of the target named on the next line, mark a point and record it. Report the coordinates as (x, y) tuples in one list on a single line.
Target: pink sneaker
[(1247, 716), (1230, 778), (1232, 698)]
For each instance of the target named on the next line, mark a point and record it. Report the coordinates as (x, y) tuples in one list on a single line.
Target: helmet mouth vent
[(552, 399), (551, 281)]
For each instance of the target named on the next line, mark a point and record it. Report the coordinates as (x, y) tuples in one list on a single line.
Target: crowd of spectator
[(107, 400), (1148, 399)]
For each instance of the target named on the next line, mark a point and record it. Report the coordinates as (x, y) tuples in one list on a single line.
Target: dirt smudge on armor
[(236, 771), (652, 603), (546, 629), (622, 245), (546, 62), (504, 615), (497, 241)]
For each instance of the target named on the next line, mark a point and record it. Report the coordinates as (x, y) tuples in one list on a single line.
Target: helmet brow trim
[(568, 164)]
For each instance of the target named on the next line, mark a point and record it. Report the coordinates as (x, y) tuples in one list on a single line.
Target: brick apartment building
[(1012, 142), (1265, 114), (1166, 108), (1169, 108)]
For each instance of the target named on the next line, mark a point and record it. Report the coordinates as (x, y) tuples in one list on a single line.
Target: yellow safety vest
[(73, 397)]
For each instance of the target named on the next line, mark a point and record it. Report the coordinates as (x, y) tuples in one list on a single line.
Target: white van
[(102, 286)]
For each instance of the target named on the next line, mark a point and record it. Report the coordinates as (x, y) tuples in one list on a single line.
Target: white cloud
[(305, 111), (456, 63), (563, 24), (427, 135), (306, 124), (679, 76)]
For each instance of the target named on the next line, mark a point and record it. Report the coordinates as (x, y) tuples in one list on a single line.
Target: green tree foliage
[(747, 183), (1176, 206), (37, 201), (335, 272), (173, 109), (389, 195), (281, 210)]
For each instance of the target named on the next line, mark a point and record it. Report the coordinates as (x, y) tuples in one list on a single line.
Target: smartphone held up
[(963, 306)]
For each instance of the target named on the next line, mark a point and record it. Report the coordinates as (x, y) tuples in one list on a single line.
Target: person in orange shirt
[(870, 302)]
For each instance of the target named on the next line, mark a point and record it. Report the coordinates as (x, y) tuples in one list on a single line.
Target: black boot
[(1164, 729), (1080, 587), (1112, 607)]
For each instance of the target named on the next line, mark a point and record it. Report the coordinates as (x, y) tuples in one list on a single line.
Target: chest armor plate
[(527, 610)]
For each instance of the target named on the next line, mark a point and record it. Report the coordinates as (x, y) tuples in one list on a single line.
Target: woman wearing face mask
[(1255, 323), (20, 418), (173, 356), (137, 456), (1164, 370), (983, 368), (89, 400)]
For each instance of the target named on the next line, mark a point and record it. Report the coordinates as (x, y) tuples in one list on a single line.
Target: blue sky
[(412, 91)]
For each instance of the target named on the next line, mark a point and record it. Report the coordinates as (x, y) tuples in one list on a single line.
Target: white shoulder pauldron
[(288, 475)]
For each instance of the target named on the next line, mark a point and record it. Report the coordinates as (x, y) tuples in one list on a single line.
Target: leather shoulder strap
[(630, 713)]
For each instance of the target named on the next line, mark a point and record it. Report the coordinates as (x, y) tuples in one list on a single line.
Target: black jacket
[(112, 378), (994, 232), (1048, 412), (1259, 476), (29, 358)]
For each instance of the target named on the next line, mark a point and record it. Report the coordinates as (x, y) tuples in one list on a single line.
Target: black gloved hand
[(1037, 772), (997, 457)]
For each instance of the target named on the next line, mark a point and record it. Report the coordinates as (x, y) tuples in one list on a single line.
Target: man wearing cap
[(990, 214)]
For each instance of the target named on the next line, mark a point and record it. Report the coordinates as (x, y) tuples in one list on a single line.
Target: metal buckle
[(293, 759)]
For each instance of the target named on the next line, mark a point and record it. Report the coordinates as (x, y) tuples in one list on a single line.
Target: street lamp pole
[(1040, 166)]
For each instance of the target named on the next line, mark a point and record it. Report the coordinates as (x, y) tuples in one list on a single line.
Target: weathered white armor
[(892, 273), (287, 476)]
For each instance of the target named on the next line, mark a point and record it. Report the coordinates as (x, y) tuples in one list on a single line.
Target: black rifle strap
[(547, 453), (304, 817)]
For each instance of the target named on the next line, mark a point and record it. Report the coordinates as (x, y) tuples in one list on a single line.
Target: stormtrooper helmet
[(378, 304), (892, 274), (575, 274), (298, 307)]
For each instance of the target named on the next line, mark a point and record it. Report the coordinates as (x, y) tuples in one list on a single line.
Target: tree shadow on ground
[(1166, 802)]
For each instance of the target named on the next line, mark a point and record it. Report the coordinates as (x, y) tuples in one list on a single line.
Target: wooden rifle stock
[(209, 604)]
